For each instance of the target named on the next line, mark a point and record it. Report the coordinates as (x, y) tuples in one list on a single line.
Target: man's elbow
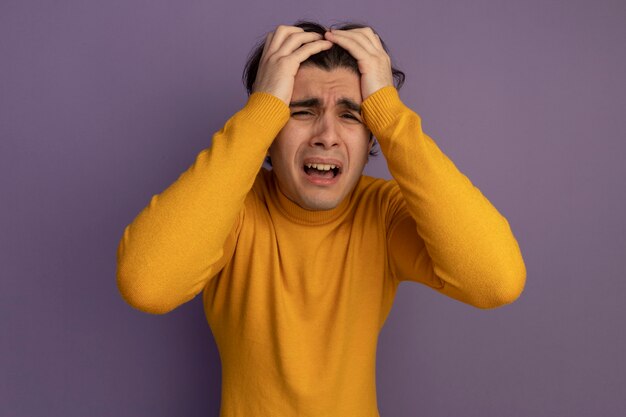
[(144, 298), (507, 290)]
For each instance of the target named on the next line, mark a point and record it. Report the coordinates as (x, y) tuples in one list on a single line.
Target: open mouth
[(322, 170)]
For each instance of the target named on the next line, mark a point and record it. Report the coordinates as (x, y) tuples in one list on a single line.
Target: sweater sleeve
[(185, 234), (446, 234)]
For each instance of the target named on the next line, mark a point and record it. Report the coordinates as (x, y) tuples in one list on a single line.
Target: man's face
[(319, 156)]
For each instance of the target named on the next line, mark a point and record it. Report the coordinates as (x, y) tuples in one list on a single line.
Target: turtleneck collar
[(300, 215)]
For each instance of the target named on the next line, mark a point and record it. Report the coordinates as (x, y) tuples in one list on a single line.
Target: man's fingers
[(295, 41), (266, 45), (279, 35), (368, 33), (285, 49), (373, 61), (305, 51), (375, 39), (358, 44), (283, 31)]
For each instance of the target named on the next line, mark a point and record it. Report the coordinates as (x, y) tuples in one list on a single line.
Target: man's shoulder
[(261, 188), (382, 196), (379, 191), (369, 184)]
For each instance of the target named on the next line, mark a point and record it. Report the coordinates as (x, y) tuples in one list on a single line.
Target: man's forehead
[(335, 86)]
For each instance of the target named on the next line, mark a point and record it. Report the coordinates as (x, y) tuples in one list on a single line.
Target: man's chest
[(307, 267)]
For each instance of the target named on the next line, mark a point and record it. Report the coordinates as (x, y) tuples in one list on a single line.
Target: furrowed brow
[(349, 104), (308, 102), (315, 102)]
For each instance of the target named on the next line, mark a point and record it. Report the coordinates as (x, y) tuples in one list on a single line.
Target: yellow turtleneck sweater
[(296, 298)]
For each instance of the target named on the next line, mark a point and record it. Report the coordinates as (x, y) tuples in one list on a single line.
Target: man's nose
[(326, 133)]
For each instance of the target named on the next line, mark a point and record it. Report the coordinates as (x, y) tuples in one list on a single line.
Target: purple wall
[(103, 104)]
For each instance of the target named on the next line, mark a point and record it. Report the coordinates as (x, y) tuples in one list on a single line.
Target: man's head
[(319, 155), (332, 58)]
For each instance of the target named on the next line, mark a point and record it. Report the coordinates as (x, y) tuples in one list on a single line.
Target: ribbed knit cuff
[(267, 110), (381, 108)]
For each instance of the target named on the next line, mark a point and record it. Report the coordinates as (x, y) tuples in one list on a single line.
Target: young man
[(299, 265)]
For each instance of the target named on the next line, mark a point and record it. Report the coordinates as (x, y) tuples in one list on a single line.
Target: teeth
[(321, 167)]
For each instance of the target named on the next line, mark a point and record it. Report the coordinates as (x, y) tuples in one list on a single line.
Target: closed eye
[(350, 116), (306, 113)]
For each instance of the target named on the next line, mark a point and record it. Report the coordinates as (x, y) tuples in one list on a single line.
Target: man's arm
[(186, 234), (447, 234), (454, 239), (176, 243)]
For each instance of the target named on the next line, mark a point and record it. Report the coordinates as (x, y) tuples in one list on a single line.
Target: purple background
[(103, 104)]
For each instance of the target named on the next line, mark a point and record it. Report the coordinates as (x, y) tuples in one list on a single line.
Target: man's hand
[(374, 63), (284, 50)]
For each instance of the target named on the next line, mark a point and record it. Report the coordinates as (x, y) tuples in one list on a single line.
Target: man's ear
[(268, 158), (371, 144)]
